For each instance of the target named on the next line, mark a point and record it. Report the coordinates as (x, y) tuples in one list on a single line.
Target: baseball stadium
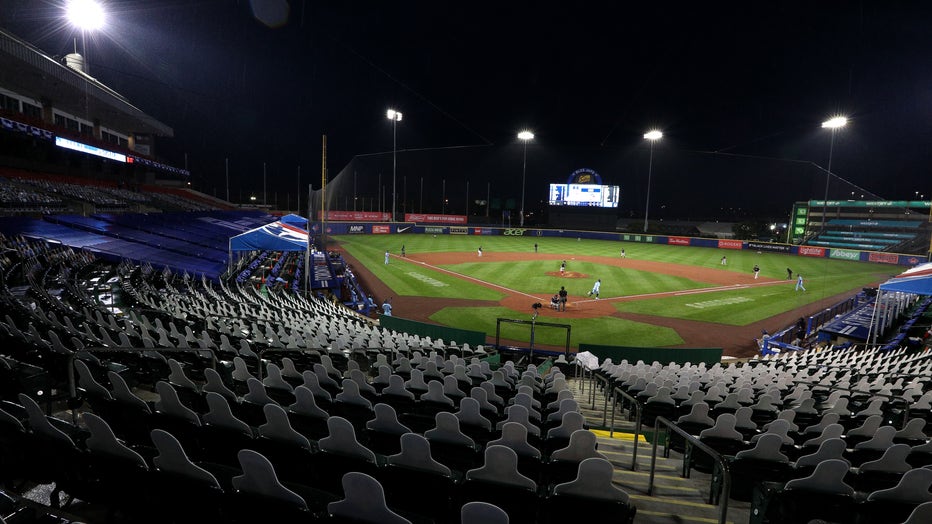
[(606, 340)]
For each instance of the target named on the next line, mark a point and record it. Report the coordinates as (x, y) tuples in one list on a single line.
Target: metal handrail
[(637, 422), (592, 376), (606, 382), (692, 441)]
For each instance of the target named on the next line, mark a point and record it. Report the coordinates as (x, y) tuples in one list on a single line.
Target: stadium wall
[(709, 356)]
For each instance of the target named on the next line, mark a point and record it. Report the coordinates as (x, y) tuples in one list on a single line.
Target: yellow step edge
[(618, 435)]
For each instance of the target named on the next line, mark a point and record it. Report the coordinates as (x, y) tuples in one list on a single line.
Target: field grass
[(823, 278), (601, 330)]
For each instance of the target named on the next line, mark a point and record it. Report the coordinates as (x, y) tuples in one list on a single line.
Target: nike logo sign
[(403, 229)]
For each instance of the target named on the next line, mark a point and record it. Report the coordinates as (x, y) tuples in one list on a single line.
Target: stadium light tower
[(395, 117), (86, 15), (652, 136), (834, 123), (525, 136)]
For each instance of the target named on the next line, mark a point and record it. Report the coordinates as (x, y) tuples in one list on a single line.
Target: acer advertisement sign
[(357, 216), (426, 218)]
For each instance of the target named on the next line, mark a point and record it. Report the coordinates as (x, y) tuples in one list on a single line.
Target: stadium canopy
[(917, 281), (294, 220), (914, 281), (287, 234)]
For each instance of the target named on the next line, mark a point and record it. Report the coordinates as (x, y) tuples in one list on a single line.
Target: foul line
[(467, 277), (697, 291)]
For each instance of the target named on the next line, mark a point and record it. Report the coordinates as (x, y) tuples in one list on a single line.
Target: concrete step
[(674, 498)]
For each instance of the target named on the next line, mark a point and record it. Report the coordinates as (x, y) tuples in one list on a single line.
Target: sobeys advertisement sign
[(845, 254)]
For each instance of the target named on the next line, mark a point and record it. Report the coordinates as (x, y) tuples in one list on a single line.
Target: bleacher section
[(868, 235), (37, 193), (779, 424), (186, 367), (259, 406), (893, 226)]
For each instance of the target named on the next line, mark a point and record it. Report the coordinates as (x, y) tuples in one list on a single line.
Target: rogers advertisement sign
[(808, 251), (424, 218), (381, 230), (357, 216), (730, 244), (885, 258), (678, 241)]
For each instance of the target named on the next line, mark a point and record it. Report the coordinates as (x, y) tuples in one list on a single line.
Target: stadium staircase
[(675, 499)]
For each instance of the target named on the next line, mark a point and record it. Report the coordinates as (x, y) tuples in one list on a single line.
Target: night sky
[(742, 79)]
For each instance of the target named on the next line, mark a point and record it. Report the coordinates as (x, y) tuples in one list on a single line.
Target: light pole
[(395, 117), (86, 15), (524, 136), (834, 124), (652, 136)]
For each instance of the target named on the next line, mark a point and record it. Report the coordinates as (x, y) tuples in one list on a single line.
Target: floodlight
[(87, 15), (653, 135), (526, 135), (835, 122)]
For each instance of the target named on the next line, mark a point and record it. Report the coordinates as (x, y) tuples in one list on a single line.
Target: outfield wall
[(349, 228)]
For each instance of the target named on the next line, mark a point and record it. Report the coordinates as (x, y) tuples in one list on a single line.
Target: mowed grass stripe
[(408, 278), (601, 330)]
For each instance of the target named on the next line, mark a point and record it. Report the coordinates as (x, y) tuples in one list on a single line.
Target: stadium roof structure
[(28, 70), (917, 280)]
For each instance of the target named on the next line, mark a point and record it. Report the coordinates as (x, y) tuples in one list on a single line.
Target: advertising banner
[(678, 241), (435, 230), (774, 248), (730, 244), (426, 218), (809, 251), (381, 230), (357, 216), (482, 231), (356, 229), (514, 232), (459, 230), (844, 254), (883, 258)]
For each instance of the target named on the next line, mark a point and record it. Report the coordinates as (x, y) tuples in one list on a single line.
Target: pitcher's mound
[(567, 274)]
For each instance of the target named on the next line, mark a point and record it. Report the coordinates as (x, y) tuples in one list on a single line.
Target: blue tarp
[(855, 325), (294, 220), (277, 236), (190, 242)]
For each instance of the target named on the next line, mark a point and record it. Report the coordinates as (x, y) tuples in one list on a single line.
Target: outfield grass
[(823, 278)]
